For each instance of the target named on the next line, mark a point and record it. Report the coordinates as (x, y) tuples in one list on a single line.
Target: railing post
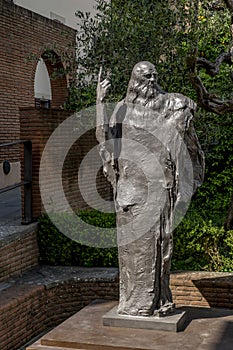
[(27, 213)]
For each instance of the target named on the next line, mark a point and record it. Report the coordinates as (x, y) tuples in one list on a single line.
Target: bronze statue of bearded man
[(152, 157)]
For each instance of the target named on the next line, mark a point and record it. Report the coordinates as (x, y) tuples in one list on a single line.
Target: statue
[(152, 157)]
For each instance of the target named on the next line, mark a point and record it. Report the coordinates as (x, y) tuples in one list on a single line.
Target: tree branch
[(210, 102), (206, 100), (213, 68)]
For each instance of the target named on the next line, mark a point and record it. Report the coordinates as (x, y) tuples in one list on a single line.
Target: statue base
[(85, 330), (171, 323)]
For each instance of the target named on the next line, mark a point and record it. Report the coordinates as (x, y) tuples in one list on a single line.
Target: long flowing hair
[(139, 91)]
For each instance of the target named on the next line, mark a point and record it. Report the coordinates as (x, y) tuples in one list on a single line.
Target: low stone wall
[(28, 309), (205, 289), (18, 249), (45, 296)]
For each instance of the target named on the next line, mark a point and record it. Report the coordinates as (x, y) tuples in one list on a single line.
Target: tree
[(190, 44), (208, 100), (146, 31)]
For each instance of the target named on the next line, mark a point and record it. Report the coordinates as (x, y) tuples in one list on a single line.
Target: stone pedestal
[(85, 330), (171, 323)]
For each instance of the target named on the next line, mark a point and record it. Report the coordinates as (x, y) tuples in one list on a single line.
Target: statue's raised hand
[(102, 87)]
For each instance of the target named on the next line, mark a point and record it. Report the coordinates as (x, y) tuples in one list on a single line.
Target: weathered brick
[(23, 33)]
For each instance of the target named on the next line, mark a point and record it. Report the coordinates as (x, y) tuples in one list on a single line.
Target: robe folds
[(155, 163)]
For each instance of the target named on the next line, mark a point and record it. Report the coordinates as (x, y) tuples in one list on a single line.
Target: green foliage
[(201, 245), (214, 196), (57, 249), (215, 39), (123, 33), (214, 35)]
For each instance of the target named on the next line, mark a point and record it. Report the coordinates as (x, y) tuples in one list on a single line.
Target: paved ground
[(205, 329), (10, 216)]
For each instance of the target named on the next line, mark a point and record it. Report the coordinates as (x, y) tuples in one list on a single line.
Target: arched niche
[(42, 85), (58, 81)]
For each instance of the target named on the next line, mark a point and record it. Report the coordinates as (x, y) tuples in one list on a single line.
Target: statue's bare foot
[(165, 310), (144, 313)]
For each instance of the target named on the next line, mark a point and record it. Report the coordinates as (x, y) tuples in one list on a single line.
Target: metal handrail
[(27, 181), (8, 144)]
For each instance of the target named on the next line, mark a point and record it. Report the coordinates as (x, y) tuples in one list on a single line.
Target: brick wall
[(28, 310), (18, 254), (37, 125), (207, 289), (22, 33)]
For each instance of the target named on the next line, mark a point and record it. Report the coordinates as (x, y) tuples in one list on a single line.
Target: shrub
[(57, 249), (201, 245)]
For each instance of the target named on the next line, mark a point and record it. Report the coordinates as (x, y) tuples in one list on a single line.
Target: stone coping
[(51, 276), (11, 232), (202, 277)]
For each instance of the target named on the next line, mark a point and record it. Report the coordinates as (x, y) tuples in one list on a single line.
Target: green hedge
[(201, 244), (57, 249), (198, 244)]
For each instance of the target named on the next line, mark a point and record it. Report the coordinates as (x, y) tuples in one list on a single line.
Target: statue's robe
[(155, 163)]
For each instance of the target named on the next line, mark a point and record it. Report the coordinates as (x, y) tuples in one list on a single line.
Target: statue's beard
[(143, 94), (147, 92)]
